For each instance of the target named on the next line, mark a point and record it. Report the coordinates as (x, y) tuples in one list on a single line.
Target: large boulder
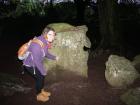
[(69, 46), (120, 72)]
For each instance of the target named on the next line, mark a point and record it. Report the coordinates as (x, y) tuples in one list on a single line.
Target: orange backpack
[(23, 50)]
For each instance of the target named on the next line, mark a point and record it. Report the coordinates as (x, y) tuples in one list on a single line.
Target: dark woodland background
[(111, 25)]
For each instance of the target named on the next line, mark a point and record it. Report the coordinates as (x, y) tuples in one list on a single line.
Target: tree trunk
[(109, 24), (80, 6), (113, 23), (103, 24)]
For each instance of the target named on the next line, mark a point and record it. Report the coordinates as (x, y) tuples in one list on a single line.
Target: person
[(33, 64)]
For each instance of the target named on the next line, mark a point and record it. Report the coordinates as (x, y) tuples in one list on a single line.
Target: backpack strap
[(35, 40)]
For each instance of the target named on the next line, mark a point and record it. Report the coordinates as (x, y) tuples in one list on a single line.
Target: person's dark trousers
[(39, 79)]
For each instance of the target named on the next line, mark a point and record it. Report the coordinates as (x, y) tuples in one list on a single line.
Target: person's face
[(50, 36)]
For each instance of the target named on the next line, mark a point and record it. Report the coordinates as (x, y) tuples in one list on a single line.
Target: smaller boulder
[(131, 97), (120, 72)]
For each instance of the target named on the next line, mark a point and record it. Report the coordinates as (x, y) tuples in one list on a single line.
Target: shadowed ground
[(94, 91)]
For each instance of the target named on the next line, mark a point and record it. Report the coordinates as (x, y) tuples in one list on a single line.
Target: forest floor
[(95, 91)]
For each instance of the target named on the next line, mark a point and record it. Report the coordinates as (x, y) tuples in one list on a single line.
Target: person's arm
[(38, 59), (50, 56)]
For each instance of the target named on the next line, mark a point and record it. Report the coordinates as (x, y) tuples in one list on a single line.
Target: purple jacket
[(37, 55)]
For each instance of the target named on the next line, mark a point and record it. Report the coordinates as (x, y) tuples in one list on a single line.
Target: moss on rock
[(59, 27), (68, 45)]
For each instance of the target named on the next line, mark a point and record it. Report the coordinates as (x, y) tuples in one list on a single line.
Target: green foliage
[(17, 8), (30, 6), (64, 11)]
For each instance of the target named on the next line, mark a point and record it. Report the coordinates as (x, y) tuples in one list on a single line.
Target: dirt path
[(95, 91)]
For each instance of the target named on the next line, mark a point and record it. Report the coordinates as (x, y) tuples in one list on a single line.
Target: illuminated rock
[(69, 46), (119, 71)]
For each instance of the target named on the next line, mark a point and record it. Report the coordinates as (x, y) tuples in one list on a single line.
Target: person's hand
[(57, 58)]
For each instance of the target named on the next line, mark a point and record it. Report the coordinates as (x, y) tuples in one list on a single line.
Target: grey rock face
[(119, 71), (131, 97), (136, 62), (10, 84), (68, 45)]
